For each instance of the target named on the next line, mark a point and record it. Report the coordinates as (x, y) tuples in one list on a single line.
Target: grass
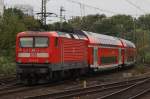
[(139, 69)]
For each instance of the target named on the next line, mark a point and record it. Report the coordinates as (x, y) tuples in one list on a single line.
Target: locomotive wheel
[(68, 74), (56, 75), (32, 79), (65, 74), (84, 71), (75, 73)]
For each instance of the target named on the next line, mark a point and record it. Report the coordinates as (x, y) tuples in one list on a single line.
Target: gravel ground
[(146, 96)]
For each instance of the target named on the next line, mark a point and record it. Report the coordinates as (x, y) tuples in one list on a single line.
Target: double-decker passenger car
[(44, 56), (129, 52), (104, 51)]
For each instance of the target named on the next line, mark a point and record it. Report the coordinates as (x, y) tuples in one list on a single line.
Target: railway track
[(7, 83), (7, 80), (89, 90), (131, 92), (15, 89), (19, 88), (141, 94)]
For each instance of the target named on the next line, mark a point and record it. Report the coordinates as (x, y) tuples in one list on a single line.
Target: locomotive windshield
[(41, 42), (26, 42), (34, 42)]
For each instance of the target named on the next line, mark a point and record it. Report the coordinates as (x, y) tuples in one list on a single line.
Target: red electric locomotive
[(44, 56), (47, 55)]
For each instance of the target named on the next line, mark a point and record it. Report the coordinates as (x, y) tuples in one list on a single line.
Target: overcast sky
[(110, 7)]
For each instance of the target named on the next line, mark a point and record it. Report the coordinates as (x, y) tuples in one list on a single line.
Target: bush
[(7, 66), (140, 69), (147, 58)]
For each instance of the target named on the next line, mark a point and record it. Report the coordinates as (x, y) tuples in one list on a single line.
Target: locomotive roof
[(77, 35), (128, 43), (37, 33), (102, 39), (94, 38)]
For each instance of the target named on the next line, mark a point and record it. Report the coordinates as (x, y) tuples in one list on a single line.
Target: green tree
[(118, 25), (144, 22), (85, 23), (11, 23)]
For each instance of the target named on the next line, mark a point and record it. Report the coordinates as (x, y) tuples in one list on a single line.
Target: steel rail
[(130, 91), (140, 94), (82, 91), (21, 88)]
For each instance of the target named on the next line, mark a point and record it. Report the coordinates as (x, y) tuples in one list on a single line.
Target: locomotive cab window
[(34, 42), (41, 41), (26, 42)]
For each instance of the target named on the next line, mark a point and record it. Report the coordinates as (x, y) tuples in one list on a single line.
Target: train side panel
[(73, 55), (104, 57)]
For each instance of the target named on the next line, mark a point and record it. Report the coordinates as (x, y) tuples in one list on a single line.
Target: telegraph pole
[(61, 16), (44, 14)]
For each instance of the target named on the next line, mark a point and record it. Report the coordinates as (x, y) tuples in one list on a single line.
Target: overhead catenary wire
[(89, 6), (108, 11), (136, 6), (80, 4)]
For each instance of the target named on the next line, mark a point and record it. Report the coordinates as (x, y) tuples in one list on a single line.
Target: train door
[(95, 56), (123, 55), (120, 57), (62, 51)]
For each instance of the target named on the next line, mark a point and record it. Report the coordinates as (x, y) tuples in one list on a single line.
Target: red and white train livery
[(43, 56)]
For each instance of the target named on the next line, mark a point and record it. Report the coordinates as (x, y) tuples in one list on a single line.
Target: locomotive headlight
[(23, 54), (46, 61), (19, 61)]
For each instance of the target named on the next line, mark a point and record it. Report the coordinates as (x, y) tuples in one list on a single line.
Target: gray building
[(26, 9), (1, 7)]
